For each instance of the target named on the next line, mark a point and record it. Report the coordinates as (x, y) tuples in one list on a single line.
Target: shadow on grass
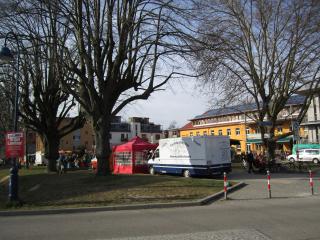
[(84, 188)]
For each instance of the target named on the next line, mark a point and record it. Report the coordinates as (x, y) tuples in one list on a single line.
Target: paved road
[(283, 185), (246, 216)]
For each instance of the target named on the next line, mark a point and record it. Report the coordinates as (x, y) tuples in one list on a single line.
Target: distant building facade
[(121, 132), (236, 122), (171, 133), (311, 121)]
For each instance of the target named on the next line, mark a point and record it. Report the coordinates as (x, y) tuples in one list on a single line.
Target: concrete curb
[(220, 194), (200, 202)]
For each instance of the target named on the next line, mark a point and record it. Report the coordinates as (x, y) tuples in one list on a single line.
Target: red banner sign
[(14, 145)]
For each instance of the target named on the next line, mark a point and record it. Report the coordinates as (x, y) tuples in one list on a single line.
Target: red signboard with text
[(14, 144)]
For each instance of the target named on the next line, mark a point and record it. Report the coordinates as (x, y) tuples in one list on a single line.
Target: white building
[(123, 131), (312, 121)]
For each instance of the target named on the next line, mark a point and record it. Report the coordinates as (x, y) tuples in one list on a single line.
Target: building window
[(237, 131), (204, 133), (248, 147), (247, 130), (157, 136), (110, 136), (228, 131), (258, 146), (220, 132), (315, 109), (212, 132), (198, 133), (191, 134), (144, 136)]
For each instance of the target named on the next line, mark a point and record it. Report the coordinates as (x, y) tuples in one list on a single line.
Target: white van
[(200, 155), (306, 155)]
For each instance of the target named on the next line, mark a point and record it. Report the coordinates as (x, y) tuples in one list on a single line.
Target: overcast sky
[(180, 102)]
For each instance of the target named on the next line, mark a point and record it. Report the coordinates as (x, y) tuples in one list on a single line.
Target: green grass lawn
[(82, 188)]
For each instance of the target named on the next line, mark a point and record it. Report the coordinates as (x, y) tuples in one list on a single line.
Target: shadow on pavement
[(242, 174)]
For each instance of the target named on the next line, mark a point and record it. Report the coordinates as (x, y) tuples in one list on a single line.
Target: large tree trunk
[(52, 143), (269, 144), (103, 150)]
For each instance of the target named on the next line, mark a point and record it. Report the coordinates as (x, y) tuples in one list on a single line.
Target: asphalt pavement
[(283, 185), (292, 214)]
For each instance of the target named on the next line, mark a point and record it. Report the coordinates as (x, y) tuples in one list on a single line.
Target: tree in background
[(173, 125), (268, 51), (120, 51), (44, 106)]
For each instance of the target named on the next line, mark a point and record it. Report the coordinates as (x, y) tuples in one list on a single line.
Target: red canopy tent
[(132, 157)]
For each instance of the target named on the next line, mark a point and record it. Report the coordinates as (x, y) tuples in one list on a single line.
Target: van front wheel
[(186, 173)]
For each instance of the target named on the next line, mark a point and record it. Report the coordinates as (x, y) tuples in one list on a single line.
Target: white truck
[(188, 156)]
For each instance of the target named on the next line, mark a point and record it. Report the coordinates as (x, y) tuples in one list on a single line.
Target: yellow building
[(82, 137), (237, 122)]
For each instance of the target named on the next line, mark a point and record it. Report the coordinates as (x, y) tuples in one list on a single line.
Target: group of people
[(259, 161), (74, 160)]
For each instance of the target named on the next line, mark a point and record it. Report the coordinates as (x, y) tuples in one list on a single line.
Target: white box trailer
[(200, 155)]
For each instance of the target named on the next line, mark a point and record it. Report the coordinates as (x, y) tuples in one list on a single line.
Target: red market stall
[(132, 157)]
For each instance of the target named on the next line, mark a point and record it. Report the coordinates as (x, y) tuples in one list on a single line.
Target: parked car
[(306, 155)]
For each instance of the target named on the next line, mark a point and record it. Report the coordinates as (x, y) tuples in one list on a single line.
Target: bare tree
[(269, 51), (172, 125), (120, 51), (44, 106), (6, 99), (6, 105)]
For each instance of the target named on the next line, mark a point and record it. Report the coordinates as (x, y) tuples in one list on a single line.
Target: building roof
[(187, 126), (293, 100)]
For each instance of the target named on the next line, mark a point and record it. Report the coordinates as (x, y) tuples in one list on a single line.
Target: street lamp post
[(7, 55)]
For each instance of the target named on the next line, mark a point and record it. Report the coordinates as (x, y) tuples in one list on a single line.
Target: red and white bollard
[(225, 186), (311, 181), (269, 185)]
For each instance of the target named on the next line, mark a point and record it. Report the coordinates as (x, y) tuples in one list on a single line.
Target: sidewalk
[(283, 185)]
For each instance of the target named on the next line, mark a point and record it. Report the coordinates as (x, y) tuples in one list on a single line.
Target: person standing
[(61, 163), (250, 160)]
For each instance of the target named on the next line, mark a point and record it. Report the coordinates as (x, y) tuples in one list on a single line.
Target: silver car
[(306, 155)]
